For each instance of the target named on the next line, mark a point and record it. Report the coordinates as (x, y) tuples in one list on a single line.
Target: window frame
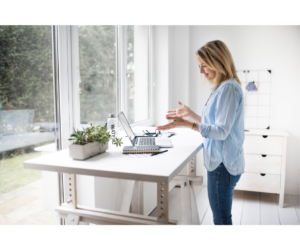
[(121, 75), (69, 79), (69, 35)]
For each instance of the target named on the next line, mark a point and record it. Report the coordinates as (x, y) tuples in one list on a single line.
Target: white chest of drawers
[(265, 162)]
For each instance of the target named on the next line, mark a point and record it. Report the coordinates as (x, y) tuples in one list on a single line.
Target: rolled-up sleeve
[(225, 113)]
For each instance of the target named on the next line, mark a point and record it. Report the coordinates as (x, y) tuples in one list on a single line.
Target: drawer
[(269, 164), (259, 145), (270, 183)]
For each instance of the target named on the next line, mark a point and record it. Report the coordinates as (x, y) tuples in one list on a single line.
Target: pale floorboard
[(208, 218), (248, 208), (237, 207), (269, 209), (251, 209), (195, 214), (24, 206), (202, 203), (296, 202), (175, 203), (176, 213), (287, 214)]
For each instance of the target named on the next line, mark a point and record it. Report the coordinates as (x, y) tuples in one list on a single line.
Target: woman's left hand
[(177, 121)]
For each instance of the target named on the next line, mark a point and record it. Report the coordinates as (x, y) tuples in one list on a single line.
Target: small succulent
[(78, 137), (117, 141), (92, 134), (101, 134)]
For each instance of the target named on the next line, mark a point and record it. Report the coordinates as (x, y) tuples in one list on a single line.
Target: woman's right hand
[(183, 111)]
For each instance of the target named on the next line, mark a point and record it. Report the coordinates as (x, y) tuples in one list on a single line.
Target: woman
[(221, 126)]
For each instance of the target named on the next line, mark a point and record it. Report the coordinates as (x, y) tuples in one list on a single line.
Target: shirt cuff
[(204, 129)]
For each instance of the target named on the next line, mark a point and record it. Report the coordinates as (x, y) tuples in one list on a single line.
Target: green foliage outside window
[(26, 80), (97, 57)]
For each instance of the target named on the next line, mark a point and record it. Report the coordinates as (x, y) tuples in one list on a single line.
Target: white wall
[(298, 206), (253, 48), (141, 59), (161, 73), (179, 64)]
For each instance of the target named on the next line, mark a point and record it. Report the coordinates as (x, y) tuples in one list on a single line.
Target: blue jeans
[(220, 185)]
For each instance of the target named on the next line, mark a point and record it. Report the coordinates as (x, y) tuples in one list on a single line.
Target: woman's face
[(210, 74)]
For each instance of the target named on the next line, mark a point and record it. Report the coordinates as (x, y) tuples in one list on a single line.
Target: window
[(97, 62), (102, 70), (26, 121), (115, 73), (137, 73)]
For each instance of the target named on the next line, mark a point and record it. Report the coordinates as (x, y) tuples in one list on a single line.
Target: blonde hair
[(216, 55)]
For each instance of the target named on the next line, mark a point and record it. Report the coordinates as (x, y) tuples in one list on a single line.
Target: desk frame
[(73, 213)]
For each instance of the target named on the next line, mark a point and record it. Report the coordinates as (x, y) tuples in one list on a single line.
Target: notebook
[(140, 149)]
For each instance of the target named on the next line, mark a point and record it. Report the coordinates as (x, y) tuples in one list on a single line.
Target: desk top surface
[(114, 164)]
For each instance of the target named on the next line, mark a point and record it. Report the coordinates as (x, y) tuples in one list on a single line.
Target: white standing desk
[(161, 169)]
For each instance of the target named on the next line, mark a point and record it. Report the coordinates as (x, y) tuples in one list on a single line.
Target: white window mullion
[(122, 67), (75, 76), (118, 93), (151, 77), (66, 83)]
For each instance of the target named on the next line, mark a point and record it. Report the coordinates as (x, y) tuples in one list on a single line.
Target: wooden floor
[(248, 208), (25, 206)]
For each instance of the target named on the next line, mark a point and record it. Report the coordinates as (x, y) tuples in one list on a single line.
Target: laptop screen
[(126, 127)]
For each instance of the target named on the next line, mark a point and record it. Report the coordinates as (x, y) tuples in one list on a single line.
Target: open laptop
[(142, 141)]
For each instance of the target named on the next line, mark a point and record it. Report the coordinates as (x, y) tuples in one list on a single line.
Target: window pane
[(26, 121), (97, 56), (137, 73)]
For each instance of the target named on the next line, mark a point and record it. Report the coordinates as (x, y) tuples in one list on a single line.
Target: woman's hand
[(183, 111), (177, 121)]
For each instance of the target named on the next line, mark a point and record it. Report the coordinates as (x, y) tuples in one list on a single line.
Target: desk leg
[(72, 219), (194, 208), (190, 214), (131, 197), (192, 167), (127, 196), (186, 202), (163, 202), (71, 198), (135, 201), (71, 195)]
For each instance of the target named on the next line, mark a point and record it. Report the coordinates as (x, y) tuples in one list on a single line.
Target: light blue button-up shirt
[(222, 127)]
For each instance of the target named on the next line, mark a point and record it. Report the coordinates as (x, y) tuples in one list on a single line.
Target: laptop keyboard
[(146, 141)]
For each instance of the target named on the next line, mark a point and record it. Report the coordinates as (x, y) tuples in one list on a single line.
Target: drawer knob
[(262, 174), (265, 136), (264, 155)]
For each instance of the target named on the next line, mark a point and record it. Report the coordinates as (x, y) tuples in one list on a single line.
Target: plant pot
[(82, 152)]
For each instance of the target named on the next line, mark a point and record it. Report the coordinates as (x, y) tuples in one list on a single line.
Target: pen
[(158, 153)]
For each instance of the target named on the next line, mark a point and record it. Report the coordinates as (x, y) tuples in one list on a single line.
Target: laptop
[(142, 141)]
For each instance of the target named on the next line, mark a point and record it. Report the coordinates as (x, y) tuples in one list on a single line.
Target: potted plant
[(91, 141)]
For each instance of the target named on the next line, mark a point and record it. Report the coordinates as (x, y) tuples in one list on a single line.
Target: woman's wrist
[(195, 127), (195, 117), (191, 125), (188, 124)]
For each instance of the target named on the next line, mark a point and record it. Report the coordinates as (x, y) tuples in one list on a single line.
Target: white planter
[(82, 152)]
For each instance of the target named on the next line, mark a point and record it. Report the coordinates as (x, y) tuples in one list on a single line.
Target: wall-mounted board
[(257, 102)]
